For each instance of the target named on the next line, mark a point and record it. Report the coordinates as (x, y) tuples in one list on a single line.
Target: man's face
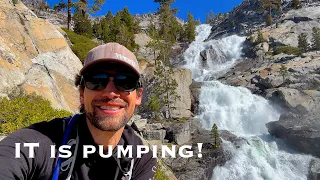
[(109, 109)]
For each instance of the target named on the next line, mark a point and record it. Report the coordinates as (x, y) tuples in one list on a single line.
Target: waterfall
[(244, 114)]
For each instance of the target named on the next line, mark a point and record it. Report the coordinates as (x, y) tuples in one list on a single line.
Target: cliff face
[(35, 57)]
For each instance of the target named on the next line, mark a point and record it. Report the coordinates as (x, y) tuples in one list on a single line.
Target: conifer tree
[(210, 17), (295, 4), (283, 71), (165, 85), (303, 42), (268, 20), (316, 38), (216, 135), (190, 29), (270, 5), (82, 24)]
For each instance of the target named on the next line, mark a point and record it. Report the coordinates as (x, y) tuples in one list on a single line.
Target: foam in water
[(228, 49), (261, 156), (235, 109)]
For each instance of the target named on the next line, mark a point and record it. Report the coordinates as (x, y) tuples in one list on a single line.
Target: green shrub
[(160, 173), (81, 44), (268, 20), (25, 110), (14, 2), (286, 50)]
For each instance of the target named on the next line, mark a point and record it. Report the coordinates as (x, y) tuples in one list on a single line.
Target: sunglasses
[(99, 81)]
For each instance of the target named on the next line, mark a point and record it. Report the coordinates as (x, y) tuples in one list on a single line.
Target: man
[(109, 92)]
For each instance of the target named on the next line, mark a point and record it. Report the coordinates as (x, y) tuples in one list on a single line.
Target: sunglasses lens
[(124, 82)]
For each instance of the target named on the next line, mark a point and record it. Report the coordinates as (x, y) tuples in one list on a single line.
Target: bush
[(25, 110), (286, 50), (81, 44), (14, 2), (160, 173)]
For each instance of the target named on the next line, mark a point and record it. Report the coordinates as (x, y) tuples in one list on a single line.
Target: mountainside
[(35, 57)]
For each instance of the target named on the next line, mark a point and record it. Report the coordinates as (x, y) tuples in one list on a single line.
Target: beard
[(106, 122)]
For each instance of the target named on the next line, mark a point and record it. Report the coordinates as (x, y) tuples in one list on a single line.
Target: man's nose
[(111, 91)]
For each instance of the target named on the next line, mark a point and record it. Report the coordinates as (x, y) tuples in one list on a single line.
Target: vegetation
[(286, 50), (296, 4), (303, 42), (165, 85), (268, 20), (260, 38), (215, 132), (190, 29), (316, 38), (25, 110), (15, 2), (81, 44), (160, 173), (210, 17), (82, 24), (269, 5), (283, 71)]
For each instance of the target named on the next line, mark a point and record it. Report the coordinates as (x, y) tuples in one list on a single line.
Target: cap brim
[(88, 66)]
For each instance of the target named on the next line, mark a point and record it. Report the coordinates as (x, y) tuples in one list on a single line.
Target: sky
[(198, 8)]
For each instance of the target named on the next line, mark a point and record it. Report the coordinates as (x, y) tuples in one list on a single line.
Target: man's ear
[(139, 96)]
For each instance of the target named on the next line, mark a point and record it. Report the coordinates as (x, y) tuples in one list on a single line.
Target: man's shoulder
[(131, 136)]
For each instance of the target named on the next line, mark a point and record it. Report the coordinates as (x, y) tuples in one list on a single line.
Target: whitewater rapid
[(244, 114)]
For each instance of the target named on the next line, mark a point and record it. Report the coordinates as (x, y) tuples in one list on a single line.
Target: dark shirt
[(51, 133)]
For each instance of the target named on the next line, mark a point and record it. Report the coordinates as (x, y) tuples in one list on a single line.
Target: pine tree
[(283, 71), (210, 17), (82, 24), (260, 38), (165, 85), (295, 4), (190, 29), (270, 5), (268, 20), (303, 42), (316, 38), (216, 135)]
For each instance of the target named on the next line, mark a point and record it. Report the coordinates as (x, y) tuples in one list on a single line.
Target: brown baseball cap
[(111, 52)]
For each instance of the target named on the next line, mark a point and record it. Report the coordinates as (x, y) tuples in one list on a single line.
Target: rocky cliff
[(297, 92), (35, 57)]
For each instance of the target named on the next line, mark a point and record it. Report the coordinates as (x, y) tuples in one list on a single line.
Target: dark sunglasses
[(99, 81)]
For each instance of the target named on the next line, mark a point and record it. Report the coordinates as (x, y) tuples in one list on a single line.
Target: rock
[(314, 169), (182, 105), (296, 101), (35, 57), (154, 126), (212, 56), (154, 134), (141, 123), (301, 132), (195, 88), (202, 168), (2, 137), (265, 47), (180, 133)]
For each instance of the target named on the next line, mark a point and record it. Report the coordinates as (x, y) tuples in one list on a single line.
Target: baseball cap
[(111, 52)]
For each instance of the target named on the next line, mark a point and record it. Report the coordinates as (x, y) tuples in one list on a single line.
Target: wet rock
[(302, 132), (314, 169)]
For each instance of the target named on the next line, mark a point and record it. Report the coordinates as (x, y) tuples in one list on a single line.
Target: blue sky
[(199, 8)]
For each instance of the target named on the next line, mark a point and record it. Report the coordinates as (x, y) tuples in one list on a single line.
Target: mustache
[(107, 100)]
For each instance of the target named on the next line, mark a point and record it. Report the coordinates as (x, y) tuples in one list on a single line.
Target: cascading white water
[(228, 48), (237, 110)]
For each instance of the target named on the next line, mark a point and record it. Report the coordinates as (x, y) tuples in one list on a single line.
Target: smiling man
[(110, 90)]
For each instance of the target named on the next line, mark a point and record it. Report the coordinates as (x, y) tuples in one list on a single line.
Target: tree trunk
[(69, 13)]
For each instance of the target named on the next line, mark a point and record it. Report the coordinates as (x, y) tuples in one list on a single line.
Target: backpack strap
[(68, 163)]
